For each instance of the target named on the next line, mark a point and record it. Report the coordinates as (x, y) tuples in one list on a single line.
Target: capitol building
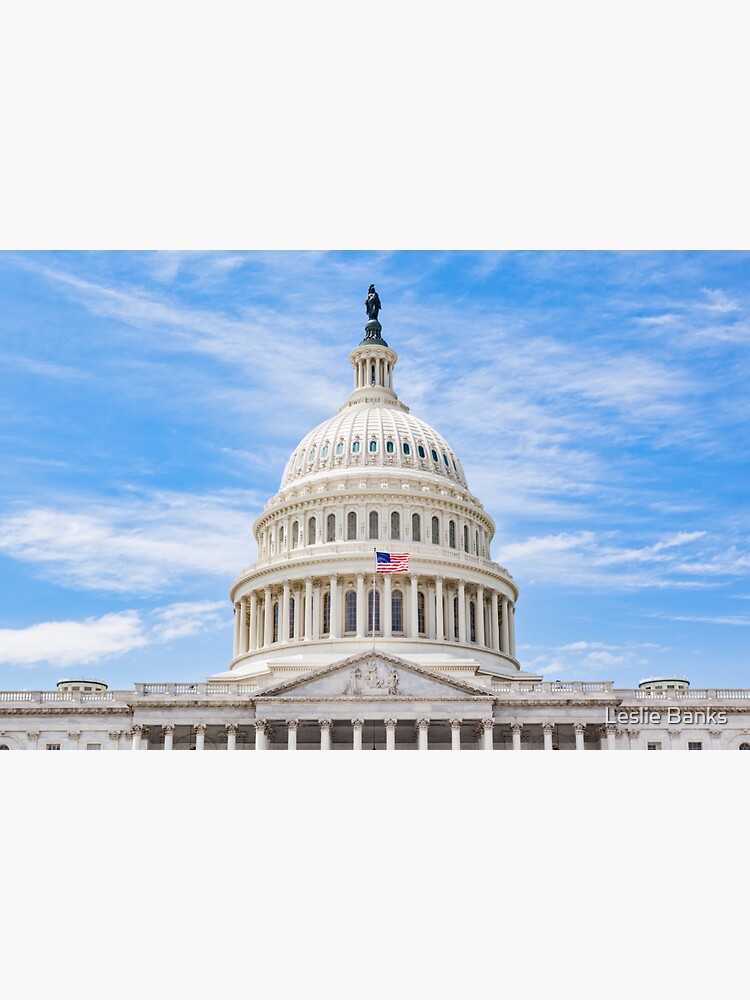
[(336, 648)]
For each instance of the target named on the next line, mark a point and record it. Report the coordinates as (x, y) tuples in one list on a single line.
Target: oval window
[(445, 459), (435, 456), (407, 448), (311, 455), (355, 447), (373, 446), (389, 447), (340, 448), (324, 452), (421, 452)]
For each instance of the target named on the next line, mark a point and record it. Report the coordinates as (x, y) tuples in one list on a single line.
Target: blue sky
[(598, 402)]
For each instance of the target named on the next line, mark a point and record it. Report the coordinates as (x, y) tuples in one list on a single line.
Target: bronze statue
[(372, 303)]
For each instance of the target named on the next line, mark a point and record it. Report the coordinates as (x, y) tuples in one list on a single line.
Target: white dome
[(373, 435)]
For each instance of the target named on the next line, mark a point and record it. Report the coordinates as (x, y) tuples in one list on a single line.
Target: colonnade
[(348, 606), (349, 733)]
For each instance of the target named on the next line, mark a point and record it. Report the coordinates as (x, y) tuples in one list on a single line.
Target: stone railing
[(553, 687), (71, 697), (188, 691)]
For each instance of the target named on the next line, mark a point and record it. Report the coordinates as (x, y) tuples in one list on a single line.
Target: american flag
[(392, 562)]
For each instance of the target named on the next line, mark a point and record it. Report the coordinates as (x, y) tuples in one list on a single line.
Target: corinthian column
[(480, 616), (253, 643), (291, 734), (260, 734), (357, 725), (487, 741), (232, 728), (579, 728), (423, 728), (547, 729), (267, 617), (494, 640), (439, 629), (455, 734), (504, 633), (169, 736), (413, 613), (326, 727), (334, 628), (461, 611), (390, 734), (236, 644), (515, 729), (361, 605), (512, 629), (137, 733), (385, 611), (284, 623), (200, 736), (308, 608)]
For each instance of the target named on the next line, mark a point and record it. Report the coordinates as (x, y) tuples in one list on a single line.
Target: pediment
[(375, 675)]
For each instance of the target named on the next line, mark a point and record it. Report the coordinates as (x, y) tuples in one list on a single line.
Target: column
[(487, 741), (413, 617), (430, 611), (504, 634), (169, 736), (675, 736), (244, 637), (74, 739), (611, 733), (260, 734), (334, 633), (317, 613), (579, 728), (200, 736), (253, 644), (291, 734), (390, 734), (114, 741), (267, 617), (480, 616), (236, 644), (386, 620), (449, 593), (326, 734), (357, 725), (423, 728), (137, 733), (512, 630), (494, 637), (232, 736), (144, 740), (547, 729), (455, 734), (308, 608), (284, 623), (297, 612), (461, 611), (361, 605), (715, 735), (515, 729), (440, 631), (33, 739)]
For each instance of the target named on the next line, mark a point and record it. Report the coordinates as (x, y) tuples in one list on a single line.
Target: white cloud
[(70, 643), (81, 643), (136, 544)]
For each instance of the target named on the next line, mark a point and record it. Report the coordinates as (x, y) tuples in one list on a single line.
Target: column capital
[(579, 727), (115, 736), (32, 737), (292, 725), (200, 727), (516, 727), (75, 736), (326, 724), (390, 723), (360, 576), (633, 733), (358, 723), (422, 725), (267, 590), (169, 727), (455, 724), (232, 727), (609, 729), (487, 724), (548, 727), (261, 725), (715, 734)]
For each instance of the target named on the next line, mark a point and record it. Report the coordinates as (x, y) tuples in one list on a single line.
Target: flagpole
[(374, 589)]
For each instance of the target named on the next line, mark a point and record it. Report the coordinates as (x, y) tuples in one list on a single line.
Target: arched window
[(275, 621), (472, 622), (452, 534), (395, 524), (311, 531), (421, 452), (374, 524), (327, 612), (350, 611), (416, 528), (476, 542), (407, 448), (435, 531), (389, 447), (4, 746), (373, 611), (355, 447), (373, 446), (340, 448), (281, 536), (351, 526), (743, 746), (331, 528), (466, 538), (421, 624), (455, 617), (397, 611), (295, 534), (292, 609)]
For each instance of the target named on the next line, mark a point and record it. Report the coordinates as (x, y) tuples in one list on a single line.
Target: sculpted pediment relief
[(376, 675)]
